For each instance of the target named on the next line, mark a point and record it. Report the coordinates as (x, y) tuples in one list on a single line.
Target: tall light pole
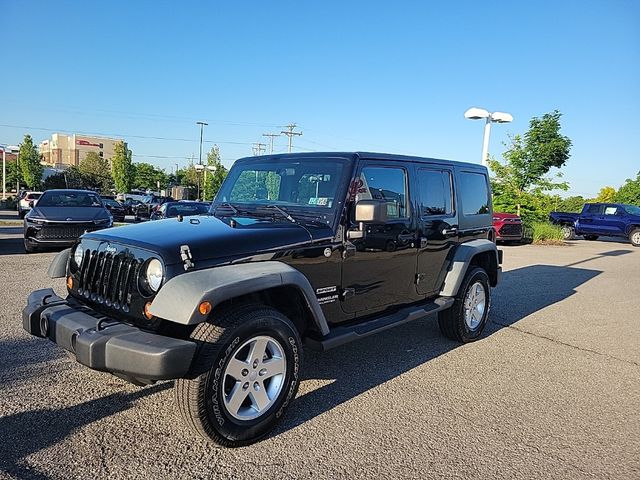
[(202, 124), (475, 113)]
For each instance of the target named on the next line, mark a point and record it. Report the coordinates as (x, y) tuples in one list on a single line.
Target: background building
[(62, 151)]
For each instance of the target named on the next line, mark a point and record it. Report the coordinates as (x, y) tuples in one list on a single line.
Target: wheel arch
[(272, 283), (482, 253)]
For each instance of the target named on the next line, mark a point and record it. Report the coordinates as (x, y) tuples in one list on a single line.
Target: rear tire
[(634, 237), (466, 319), (225, 359), (568, 232), (591, 237)]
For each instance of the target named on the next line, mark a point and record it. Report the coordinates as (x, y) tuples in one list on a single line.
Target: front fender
[(58, 267), (178, 300)]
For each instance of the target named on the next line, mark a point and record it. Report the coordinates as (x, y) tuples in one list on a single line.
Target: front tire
[(568, 232), (634, 237), (245, 374), (466, 319), (28, 247)]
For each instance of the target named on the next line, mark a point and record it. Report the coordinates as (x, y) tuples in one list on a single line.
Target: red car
[(508, 227)]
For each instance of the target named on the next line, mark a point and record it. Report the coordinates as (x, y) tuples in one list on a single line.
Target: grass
[(544, 233)]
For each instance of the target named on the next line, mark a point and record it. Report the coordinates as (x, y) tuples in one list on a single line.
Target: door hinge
[(420, 277), (347, 293)]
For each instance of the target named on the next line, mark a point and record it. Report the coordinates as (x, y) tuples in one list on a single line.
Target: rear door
[(589, 219), (437, 225)]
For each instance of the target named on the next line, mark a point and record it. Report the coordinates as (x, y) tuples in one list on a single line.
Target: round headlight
[(153, 274), (78, 254)]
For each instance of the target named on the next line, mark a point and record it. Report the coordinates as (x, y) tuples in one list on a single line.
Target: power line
[(271, 136), (290, 133), (258, 148), (123, 135)]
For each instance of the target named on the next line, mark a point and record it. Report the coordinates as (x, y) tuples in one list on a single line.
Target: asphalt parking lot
[(551, 391)]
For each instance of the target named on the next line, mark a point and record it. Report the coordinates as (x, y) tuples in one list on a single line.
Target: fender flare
[(178, 299), (58, 267), (461, 261)]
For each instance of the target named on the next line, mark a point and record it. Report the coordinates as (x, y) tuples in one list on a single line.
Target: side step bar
[(341, 335)]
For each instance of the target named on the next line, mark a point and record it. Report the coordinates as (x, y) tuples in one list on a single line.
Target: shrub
[(544, 232)]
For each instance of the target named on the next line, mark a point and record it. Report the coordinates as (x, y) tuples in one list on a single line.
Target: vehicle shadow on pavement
[(26, 433), (12, 244), (360, 366)]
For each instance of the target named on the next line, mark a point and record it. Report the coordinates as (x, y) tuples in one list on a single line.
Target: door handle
[(449, 232)]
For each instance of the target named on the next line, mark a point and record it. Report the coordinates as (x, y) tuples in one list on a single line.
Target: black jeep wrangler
[(317, 249)]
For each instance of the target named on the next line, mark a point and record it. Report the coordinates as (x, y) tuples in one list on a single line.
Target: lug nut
[(245, 372), (256, 386), (255, 363), (262, 372), (245, 386)]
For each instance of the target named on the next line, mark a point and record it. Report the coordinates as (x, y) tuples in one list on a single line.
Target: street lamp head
[(501, 117), (475, 113)]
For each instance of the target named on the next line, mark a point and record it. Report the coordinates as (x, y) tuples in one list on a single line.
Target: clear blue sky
[(382, 76)]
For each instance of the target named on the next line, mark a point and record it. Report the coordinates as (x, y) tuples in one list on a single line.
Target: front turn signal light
[(204, 308)]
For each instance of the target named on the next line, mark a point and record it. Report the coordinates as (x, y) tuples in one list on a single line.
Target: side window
[(435, 192), (610, 210), (475, 194), (594, 209), (388, 184)]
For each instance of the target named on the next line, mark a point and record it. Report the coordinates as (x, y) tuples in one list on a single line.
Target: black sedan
[(173, 209), (61, 216), (149, 204), (118, 211)]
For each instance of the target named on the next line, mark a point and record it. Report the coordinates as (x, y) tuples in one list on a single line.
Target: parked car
[(601, 219), (507, 227), (117, 210), (143, 210), (130, 205), (290, 254), (26, 202), (62, 216), (183, 208)]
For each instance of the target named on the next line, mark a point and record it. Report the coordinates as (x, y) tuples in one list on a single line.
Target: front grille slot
[(63, 231), (108, 278), (511, 229)]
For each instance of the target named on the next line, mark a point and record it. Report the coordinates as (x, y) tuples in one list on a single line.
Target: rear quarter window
[(474, 193)]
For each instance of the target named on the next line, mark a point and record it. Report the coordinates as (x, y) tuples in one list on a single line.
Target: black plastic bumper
[(105, 344)]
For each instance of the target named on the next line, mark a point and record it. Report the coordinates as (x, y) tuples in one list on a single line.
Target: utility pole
[(271, 137), (202, 124), (290, 133), (258, 148)]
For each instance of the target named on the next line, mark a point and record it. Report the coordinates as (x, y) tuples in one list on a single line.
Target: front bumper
[(104, 344)]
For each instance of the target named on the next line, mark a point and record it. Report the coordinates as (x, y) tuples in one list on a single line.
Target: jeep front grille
[(109, 279)]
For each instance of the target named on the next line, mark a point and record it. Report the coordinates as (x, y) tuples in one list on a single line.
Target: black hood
[(67, 214), (208, 237)]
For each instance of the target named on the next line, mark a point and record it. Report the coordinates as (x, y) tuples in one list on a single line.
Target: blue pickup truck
[(601, 219)]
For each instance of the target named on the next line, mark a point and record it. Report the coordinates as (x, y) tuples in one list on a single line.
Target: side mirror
[(30, 203), (371, 211), (109, 207)]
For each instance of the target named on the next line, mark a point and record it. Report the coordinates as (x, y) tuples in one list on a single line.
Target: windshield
[(69, 199), (108, 201), (314, 184), (632, 210), (186, 209)]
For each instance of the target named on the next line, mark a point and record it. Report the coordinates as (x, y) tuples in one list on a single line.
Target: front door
[(437, 226), (381, 270)]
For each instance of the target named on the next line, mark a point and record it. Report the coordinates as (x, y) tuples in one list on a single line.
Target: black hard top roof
[(364, 155)]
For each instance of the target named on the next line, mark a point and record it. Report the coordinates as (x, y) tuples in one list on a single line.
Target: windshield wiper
[(282, 212), (227, 205)]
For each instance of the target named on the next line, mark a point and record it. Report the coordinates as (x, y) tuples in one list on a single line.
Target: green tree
[(630, 191), (147, 177), (95, 172), (13, 176), (606, 195), (122, 169), (521, 180), (30, 167), (572, 204), (215, 177), (187, 177)]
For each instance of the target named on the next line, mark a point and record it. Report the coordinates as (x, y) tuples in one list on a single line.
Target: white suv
[(24, 204)]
